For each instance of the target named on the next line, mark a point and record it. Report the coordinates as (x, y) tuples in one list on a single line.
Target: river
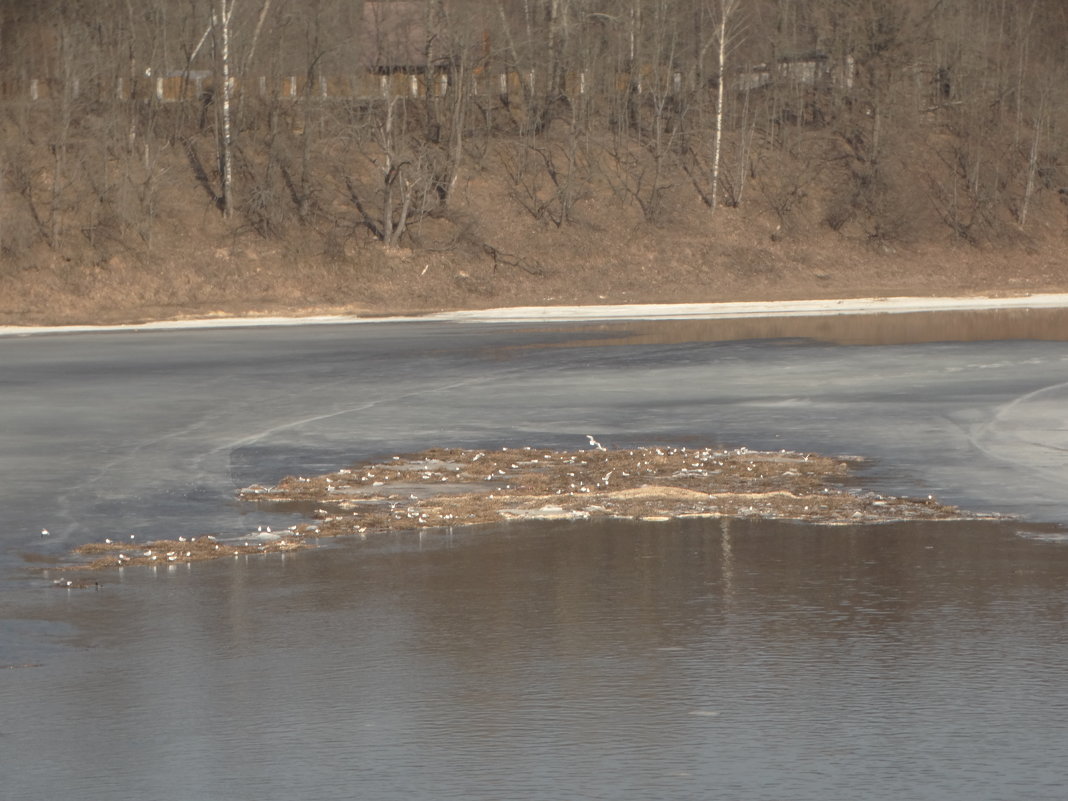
[(618, 660)]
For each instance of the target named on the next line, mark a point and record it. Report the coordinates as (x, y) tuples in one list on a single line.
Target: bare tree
[(727, 8), (404, 184), (221, 25)]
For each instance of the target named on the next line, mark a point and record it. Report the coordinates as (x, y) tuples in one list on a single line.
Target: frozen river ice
[(149, 434)]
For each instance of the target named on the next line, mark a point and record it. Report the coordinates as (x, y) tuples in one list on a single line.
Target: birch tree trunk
[(389, 174), (222, 23), (1032, 169), (726, 9), (264, 10)]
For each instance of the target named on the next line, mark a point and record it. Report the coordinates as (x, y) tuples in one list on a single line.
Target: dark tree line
[(882, 120)]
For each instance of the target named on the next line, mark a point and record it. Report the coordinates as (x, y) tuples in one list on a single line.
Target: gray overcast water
[(619, 660)]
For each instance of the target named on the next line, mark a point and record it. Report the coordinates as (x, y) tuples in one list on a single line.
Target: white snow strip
[(739, 309), (637, 311)]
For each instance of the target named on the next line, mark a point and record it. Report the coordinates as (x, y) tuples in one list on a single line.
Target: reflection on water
[(611, 660), (845, 329)]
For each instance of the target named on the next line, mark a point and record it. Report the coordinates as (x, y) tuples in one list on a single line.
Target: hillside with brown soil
[(196, 267), (152, 244), (546, 153)]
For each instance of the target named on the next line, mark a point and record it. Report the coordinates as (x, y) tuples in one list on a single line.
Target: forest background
[(170, 158)]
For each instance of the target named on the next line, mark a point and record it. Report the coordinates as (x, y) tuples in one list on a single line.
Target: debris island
[(444, 488)]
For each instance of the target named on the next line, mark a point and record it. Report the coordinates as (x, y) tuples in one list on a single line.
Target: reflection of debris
[(71, 584), (453, 487)]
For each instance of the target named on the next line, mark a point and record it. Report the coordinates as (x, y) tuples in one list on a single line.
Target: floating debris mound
[(457, 487), (183, 550), (447, 487)]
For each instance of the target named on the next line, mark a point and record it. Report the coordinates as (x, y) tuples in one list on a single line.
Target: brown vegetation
[(552, 151)]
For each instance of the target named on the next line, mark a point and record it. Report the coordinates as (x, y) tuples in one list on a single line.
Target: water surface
[(608, 660)]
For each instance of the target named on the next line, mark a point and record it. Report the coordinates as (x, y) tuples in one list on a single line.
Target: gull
[(595, 444), (44, 532)]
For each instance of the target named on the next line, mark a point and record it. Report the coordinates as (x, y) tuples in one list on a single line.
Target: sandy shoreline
[(637, 311)]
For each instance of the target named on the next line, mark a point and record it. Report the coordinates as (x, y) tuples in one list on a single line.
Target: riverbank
[(196, 272), (736, 310)]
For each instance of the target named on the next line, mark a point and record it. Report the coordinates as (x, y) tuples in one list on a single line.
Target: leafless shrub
[(787, 182), (546, 180)]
